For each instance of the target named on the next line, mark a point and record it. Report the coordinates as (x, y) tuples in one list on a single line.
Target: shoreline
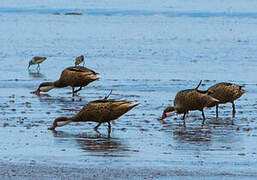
[(39, 171)]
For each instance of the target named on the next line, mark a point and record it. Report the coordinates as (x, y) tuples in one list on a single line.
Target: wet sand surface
[(145, 54)]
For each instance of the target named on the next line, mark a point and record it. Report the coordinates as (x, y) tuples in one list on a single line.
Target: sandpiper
[(79, 60), (36, 60)]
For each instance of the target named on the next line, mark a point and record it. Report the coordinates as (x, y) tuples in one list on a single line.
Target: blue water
[(145, 55), (127, 12)]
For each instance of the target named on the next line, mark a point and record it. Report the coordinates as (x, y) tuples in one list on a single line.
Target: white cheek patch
[(168, 114), (46, 88), (62, 123)]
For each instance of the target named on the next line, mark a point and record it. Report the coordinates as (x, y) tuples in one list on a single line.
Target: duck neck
[(58, 84), (78, 118), (63, 123)]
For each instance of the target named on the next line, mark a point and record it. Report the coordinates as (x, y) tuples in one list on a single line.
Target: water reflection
[(63, 102), (94, 143), (35, 74), (213, 131), (192, 134)]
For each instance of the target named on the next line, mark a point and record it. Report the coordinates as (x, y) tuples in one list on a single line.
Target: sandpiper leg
[(95, 128), (38, 66), (234, 109), (203, 117), (109, 128)]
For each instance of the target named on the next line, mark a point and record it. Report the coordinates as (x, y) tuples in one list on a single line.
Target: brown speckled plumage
[(76, 76), (100, 111), (226, 92), (190, 100)]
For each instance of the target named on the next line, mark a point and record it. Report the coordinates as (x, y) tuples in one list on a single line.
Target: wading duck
[(36, 60), (226, 92), (99, 111), (79, 60), (77, 76), (189, 100)]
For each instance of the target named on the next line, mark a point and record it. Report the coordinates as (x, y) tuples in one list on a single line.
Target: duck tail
[(242, 90), (198, 85), (134, 104)]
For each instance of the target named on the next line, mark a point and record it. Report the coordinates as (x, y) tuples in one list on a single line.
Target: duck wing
[(80, 69)]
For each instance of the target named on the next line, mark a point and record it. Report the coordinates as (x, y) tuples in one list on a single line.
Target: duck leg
[(73, 91), (234, 109), (109, 128), (203, 117), (77, 90), (217, 111), (99, 124), (184, 116)]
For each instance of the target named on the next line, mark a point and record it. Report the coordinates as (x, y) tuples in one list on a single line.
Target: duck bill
[(164, 115), (37, 92), (52, 127)]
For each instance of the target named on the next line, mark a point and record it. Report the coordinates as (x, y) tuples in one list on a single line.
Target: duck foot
[(99, 124)]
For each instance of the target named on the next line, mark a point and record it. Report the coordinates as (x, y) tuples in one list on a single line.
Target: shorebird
[(100, 111), (77, 76), (226, 92), (189, 100), (79, 60), (36, 60)]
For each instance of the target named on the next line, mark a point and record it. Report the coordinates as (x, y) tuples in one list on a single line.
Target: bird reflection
[(63, 102), (35, 74), (94, 143), (192, 134), (214, 131)]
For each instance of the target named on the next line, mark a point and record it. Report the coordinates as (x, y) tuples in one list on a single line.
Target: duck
[(189, 100), (79, 60), (36, 60), (226, 93), (100, 111), (76, 76)]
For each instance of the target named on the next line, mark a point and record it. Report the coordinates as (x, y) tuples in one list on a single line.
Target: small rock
[(241, 154), (5, 124), (246, 129), (244, 119)]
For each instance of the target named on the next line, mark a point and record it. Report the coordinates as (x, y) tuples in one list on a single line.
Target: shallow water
[(145, 54)]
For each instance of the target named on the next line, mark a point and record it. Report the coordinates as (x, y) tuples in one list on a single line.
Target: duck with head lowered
[(189, 100), (226, 92), (76, 76), (100, 111)]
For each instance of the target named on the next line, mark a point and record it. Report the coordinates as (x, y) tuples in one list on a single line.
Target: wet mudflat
[(145, 54)]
